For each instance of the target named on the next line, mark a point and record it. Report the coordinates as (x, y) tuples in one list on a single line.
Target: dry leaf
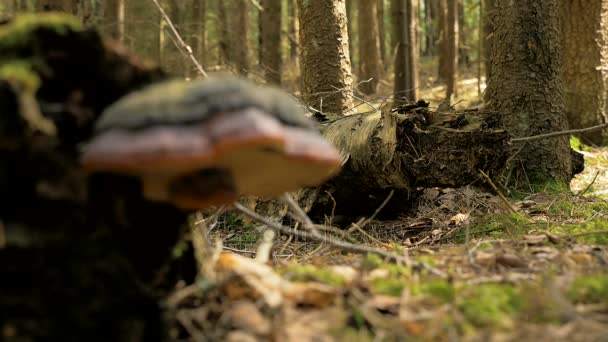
[(246, 316), (252, 278), (315, 294)]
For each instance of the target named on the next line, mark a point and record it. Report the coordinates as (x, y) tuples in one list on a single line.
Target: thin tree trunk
[(442, 42), (114, 19), (406, 80), (351, 15), (526, 89), (240, 31), (452, 48), (382, 33), (224, 33), (198, 30), (270, 40), (369, 47), (584, 28), (488, 35), (294, 32), (325, 60)]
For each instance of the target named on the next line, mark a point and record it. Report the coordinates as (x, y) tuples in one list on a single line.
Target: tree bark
[(585, 47), (198, 31), (406, 60), (382, 34), (294, 31), (526, 87), (369, 47), (239, 27), (452, 48), (442, 41), (114, 19), (351, 15), (325, 60), (430, 26), (270, 40), (488, 35)]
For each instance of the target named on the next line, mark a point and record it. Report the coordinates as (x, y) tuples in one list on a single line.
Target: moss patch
[(18, 33), (490, 304), (22, 72), (590, 289), (305, 273)]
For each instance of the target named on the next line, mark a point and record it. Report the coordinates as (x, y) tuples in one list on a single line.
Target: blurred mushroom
[(204, 142)]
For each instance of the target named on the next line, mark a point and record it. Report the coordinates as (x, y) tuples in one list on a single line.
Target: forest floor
[(533, 269)]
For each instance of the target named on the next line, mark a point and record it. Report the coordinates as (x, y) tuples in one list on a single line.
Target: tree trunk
[(526, 87), (294, 31), (463, 49), (452, 48), (197, 34), (406, 60), (325, 60), (351, 15), (369, 47), (430, 7), (382, 34), (442, 42), (223, 29), (239, 26), (114, 19), (584, 40), (488, 35), (270, 40)]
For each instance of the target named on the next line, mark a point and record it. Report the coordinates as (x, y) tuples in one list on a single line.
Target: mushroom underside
[(260, 155)]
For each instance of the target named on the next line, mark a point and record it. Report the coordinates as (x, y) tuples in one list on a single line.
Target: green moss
[(439, 290), (582, 232), (305, 273), (590, 289), (490, 304), (18, 32), (22, 72), (371, 262), (495, 226), (570, 206), (389, 286)]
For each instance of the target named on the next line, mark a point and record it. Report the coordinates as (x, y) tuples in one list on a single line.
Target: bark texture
[(369, 47), (442, 42), (406, 60), (488, 35), (270, 40), (452, 43), (584, 28), (526, 87), (114, 19), (382, 34), (325, 60)]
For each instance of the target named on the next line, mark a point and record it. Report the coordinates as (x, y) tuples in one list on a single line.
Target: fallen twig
[(561, 133), (348, 247)]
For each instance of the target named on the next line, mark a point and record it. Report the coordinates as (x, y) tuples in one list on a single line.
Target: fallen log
[(405, 150)]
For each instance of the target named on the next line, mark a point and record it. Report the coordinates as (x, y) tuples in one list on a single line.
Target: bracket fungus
[(205, 142)]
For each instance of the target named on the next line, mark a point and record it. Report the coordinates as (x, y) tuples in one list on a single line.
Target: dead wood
[(406, 150)]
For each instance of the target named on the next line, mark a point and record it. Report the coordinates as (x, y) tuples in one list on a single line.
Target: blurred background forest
[(261, 39)]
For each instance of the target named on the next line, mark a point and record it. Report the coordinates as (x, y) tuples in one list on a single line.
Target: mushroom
[(205, 142)]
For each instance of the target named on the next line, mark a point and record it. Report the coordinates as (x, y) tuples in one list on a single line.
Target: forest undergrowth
[(533, 267)]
